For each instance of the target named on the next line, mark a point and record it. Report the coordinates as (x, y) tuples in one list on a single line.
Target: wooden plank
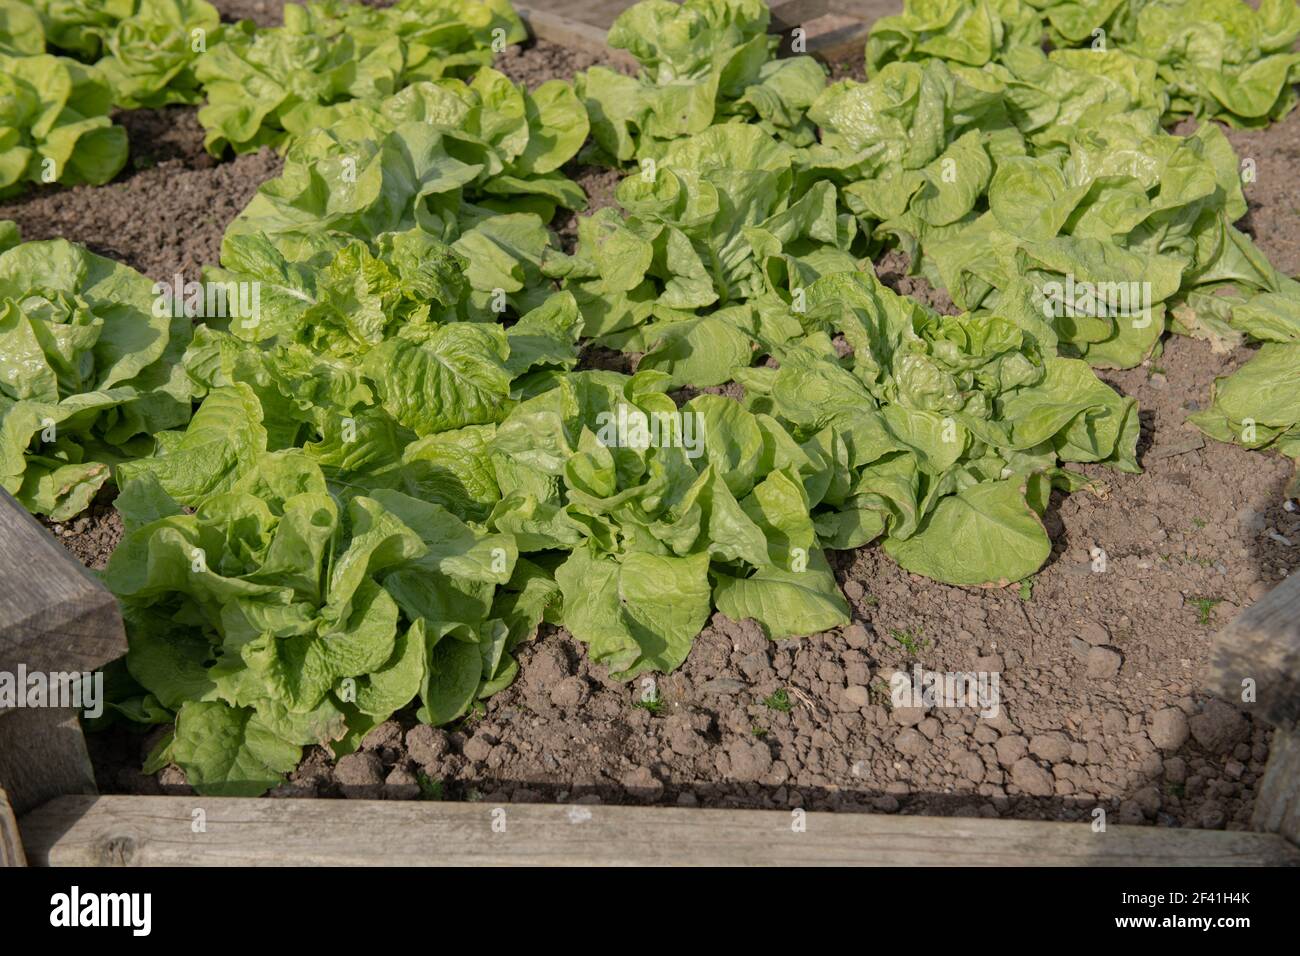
[(11, 845), (1261, 646), (54, 616), (160, 831), (597, 13), (575, 34), (841, 43), (43, 756), (788, 14), (1277, 802)]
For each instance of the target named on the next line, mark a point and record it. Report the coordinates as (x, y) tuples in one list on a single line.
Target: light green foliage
[(1221, 59), (54, 124), (21, 31), (1259, 404), (397, 472), (1069, 210), (88, 373), (332, 52), (144, 50), (277, 615), (702, 62), (149, 56)]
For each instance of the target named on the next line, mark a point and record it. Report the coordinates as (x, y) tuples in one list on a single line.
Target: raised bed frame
[(53, 615)]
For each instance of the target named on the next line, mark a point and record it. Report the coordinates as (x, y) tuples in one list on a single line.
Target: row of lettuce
[(66, 64), (370, 491)]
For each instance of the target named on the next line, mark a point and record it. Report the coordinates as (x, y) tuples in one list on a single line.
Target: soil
[(91, 536), (598, 183), (163, 219), (265, 13), (1099, 660), (541, 60), (1274, 196), (892, 269)]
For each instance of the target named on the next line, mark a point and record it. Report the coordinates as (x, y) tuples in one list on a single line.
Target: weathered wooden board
[(842, 43), (788, 14), (43, 756), (1277, 801), (557, 28), (160, 831), (1260, 650), (11, 845), (54, 616)]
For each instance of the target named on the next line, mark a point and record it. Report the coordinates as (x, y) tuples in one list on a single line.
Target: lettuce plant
[(365, 363), (702, 62), (149, 57), (518, 137), (474, 165), (716, 512), (947, 428), (277, 615), (88, 373), (1258, 405), (1222, 59), (54, 124), (970, 32), (328, 53), (21, 31), (144, 49), (692, 273), (78, 27)]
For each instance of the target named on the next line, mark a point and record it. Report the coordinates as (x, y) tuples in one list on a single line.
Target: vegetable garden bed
[(1101, 673)]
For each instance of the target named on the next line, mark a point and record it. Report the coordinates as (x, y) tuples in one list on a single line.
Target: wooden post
[(11, 845), (788, 14), (842, 43), (1255, 665), (566, 31), (1255, 661), (1277, 801), (55, 618)]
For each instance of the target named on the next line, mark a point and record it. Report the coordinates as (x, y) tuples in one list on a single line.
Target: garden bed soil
[(1099, 669)]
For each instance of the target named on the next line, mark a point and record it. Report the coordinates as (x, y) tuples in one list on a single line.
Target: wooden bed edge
[(11, 844), (1255, 658), (566, 31), (1277, 799), (841, 43), (213, 831)]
